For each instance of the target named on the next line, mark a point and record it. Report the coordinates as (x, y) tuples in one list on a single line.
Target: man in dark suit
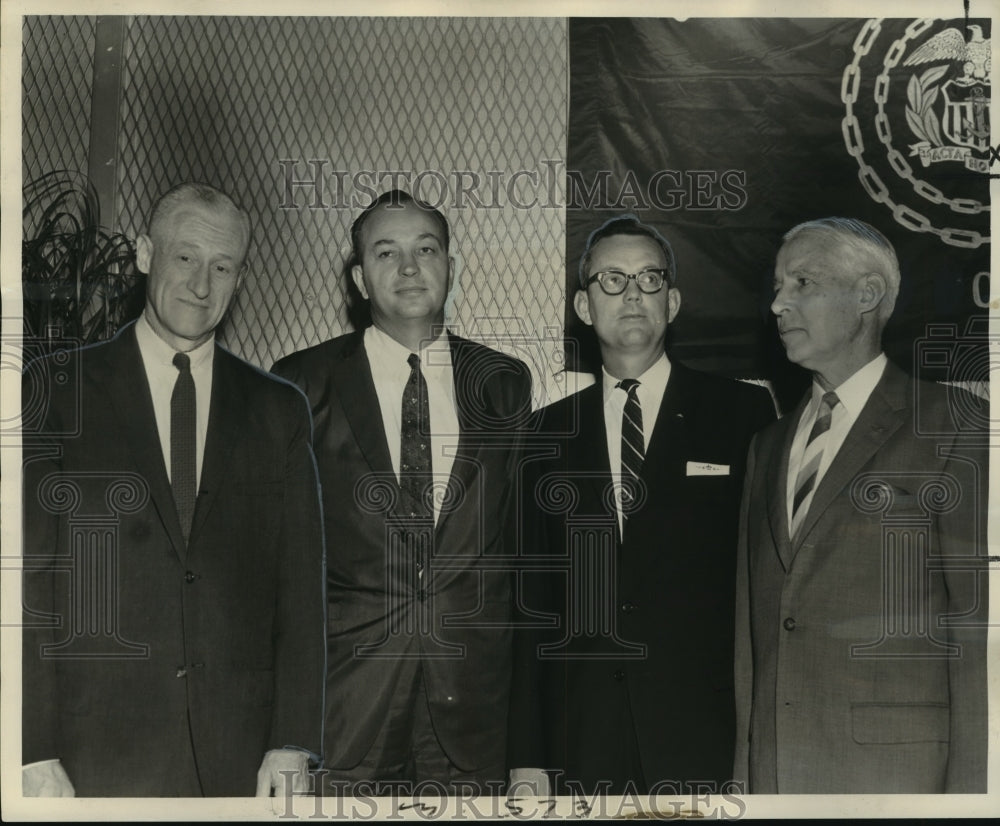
[(415, 432), (173, 578), (861, 620), (634, 513)]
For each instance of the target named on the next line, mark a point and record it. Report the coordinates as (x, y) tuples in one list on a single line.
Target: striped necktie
[(633, 445), (805, 483)]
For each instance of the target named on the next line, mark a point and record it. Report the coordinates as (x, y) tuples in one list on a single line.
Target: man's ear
[(241, 277), (581, 303), (143, 253), (673, 304), (451, 273), (872, 291), (358, 274)]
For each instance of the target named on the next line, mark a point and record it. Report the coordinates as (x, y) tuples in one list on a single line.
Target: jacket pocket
[(899, 722)]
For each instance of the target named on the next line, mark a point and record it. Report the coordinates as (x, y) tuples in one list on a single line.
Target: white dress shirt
[(390, 372), (158, 360), (853, 395), (652, 385)]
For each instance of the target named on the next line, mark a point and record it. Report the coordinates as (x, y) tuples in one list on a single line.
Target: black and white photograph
[(461, 411)]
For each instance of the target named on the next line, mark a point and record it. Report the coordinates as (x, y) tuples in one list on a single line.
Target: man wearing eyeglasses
[(630, 690)]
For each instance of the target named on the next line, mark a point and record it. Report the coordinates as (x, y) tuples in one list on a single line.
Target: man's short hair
[(627, 225), (198, 193), (393, 198), (871, 251)]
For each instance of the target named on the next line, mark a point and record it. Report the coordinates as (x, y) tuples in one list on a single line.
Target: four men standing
[(859, 651)]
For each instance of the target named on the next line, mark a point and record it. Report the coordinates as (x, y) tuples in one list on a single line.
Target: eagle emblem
[(962, 125), (950, 44)]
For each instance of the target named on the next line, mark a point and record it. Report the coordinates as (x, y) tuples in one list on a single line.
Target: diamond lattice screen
[(56, 72), (248, 104)]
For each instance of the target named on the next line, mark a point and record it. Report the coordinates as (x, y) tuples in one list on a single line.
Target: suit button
[(190, 577), (181, 671), (619, 675), (789, 624), (628, 607)]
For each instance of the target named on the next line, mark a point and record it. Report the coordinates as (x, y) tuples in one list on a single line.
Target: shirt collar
[(855, 391), (155, 348), (434, 353), (653, 381)]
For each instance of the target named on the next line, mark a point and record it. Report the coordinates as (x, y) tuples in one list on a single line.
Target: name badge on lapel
[(706, 469)]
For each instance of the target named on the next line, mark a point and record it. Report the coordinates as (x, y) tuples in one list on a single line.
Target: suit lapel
[(592, 461), (661, 461), (882, 416), (777, 485), (226, 420), (483, 405), (128, 392), (351, 375)]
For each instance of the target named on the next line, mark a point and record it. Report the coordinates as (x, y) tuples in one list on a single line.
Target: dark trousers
[(601, 753), (407, 757)]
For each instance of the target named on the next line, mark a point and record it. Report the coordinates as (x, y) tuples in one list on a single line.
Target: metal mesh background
[(224, 100), (57, 69)]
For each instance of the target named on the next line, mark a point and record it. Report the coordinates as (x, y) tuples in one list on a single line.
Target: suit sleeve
[(40, 531), (743, 659), (300, 625), (962, 543), (527, 724)]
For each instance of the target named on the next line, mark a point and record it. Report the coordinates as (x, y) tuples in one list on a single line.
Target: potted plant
[(79, 279)]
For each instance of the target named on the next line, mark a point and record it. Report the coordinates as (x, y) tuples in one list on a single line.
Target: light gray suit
[(861, 646)]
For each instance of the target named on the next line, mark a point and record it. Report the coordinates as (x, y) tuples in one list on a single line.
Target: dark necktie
[(415, 443), (633, 445), (805, 482), (183, 456)]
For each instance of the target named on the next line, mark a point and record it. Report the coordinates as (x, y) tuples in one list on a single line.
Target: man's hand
[(48, 779), (270, 778), (528, 782)]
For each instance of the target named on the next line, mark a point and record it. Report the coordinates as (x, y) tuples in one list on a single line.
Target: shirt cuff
[(315, 760), (39, 763)]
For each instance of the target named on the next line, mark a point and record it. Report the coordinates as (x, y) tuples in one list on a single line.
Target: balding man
[(861, 593), (174, 641)]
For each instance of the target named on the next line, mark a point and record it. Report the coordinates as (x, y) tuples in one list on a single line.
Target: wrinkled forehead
[(218, 225)]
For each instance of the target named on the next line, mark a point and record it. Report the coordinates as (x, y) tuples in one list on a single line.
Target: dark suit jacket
[(214, 652), (454, 618), (666, 590), (846, 681)]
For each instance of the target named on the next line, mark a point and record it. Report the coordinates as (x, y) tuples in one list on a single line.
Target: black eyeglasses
[(614, 282)]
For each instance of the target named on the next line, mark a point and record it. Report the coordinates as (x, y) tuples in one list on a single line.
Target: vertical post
[(105, 114)]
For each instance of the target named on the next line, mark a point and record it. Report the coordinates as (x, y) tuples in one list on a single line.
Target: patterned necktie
[(633, 445), (183, 457), (415, 443), (805, 483)]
